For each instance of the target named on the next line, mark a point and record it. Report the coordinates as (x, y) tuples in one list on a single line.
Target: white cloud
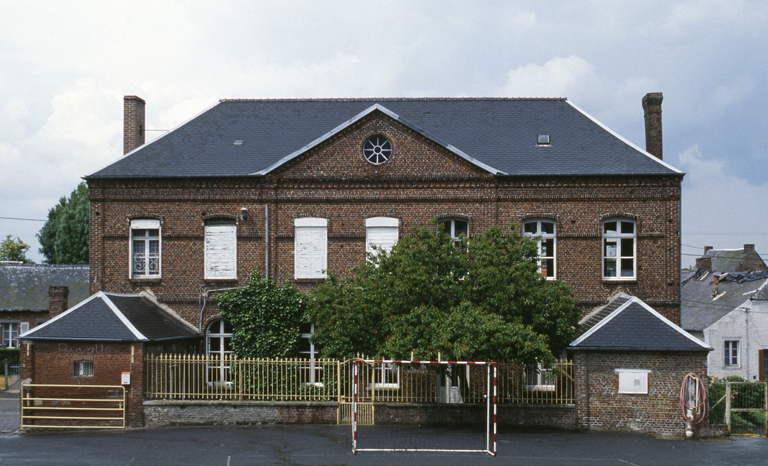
[(720, 210), (570, 77)]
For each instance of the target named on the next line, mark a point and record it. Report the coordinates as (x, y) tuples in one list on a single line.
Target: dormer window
[(543, 140)]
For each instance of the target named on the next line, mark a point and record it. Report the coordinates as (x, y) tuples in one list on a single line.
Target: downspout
[(266, 235), (202, 300), (746, 337)]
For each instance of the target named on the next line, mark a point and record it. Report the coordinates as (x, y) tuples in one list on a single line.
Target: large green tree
[(482, 299), (265, 316), (14, 250), (64, 237)]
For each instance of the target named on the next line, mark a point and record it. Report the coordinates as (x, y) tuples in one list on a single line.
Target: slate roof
[(635, 326), (730, 260), (499, 135), (115, 317), (24, 287), (699, 309)]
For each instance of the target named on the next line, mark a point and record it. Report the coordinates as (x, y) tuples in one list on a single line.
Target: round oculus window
[(377, 150)]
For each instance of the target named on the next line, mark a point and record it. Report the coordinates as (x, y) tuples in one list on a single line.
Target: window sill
[(620, 280), (220, 280), (309, 280), (146, 280)]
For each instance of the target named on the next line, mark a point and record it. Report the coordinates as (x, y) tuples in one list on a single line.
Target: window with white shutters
[(382, 232), (310, 254), (220, 249)]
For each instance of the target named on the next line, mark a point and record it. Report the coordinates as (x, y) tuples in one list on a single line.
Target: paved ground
[(331, 445), (9, 412)]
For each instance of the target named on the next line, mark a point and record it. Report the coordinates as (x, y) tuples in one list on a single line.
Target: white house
[(740, 339)]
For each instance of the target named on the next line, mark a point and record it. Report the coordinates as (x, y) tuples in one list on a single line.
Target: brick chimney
[(58, 300), (749, 248), (133, 122), (704, 263), (707, 249), (652, 108)]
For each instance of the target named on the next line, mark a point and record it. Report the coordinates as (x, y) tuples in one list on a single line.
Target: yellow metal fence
[(56, 406), (193, 377)]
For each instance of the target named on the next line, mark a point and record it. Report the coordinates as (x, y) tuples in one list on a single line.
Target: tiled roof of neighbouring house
[(24, 287), (634, 326), (498, 135), (114, 317)]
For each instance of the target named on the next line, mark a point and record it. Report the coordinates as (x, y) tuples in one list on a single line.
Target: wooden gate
[(746, 408), (50, 406)]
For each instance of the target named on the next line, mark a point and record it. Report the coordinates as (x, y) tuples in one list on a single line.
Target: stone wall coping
[(237, 403)]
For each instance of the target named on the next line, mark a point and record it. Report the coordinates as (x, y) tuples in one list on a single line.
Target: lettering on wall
[(85, 351)]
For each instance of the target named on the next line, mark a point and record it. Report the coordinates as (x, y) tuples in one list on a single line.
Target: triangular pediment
[(347, 151)]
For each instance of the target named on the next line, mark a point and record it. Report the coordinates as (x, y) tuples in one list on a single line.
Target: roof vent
[(238, 142), (543, 139)]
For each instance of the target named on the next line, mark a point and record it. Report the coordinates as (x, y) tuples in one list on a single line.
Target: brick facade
[(600, 406), (423, 182), (49, 362)]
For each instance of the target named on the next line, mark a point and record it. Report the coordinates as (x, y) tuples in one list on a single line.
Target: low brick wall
[(176, 413), (189, 413), (561, 417)]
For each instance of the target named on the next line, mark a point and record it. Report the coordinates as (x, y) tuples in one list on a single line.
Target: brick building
[(293, 188)]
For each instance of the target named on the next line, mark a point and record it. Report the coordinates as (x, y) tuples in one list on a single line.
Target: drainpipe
[(266, 235), (202, 300)]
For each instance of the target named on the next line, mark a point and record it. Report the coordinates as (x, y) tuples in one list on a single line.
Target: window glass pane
[(610, 249), (627, 267), (547, 248), (548, 228), (627, 228), (227, 344), (610, 267), (227, 326), (548, 267), (214, 344), (627, 247), (462, 228), (530, 228), (609, 227)]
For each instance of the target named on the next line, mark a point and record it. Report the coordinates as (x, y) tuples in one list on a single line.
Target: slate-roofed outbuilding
[(237, 138), (24, 287), (632, 325), (115, 317)]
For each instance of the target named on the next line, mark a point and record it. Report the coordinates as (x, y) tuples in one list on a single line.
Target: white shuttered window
[(382, 232), (310, 254), (221, 249)]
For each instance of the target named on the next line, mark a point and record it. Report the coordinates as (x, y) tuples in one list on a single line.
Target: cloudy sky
[(65, 67)]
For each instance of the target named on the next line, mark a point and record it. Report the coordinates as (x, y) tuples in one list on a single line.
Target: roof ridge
[(394, 99)]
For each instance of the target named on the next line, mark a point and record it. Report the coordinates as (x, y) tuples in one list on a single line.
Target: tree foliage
[(482, 299), (14, 250), (64, 237), (265, 317)]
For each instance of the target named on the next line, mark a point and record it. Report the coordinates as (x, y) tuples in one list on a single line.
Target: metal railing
[(196, 377), (746, 409), (58, 406), (407, 383)]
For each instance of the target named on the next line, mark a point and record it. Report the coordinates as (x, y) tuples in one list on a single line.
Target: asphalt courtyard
[(331, 445)]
